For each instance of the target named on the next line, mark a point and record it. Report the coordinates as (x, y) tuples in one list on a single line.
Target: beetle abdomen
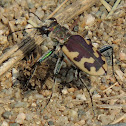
[(82, 53)]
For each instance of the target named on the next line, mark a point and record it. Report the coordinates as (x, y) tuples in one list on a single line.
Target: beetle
[(77, 49)]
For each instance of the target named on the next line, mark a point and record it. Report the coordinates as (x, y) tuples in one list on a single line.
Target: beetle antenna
[(21, 30), (35, 15), (88, 92)]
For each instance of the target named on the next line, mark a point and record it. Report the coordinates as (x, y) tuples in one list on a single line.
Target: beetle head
[(44, 30), (48, 25)]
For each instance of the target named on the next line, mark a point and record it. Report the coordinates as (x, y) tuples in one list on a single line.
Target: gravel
[(70, 105)]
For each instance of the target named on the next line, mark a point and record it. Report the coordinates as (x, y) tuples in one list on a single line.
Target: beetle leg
[(58, 65), (104, 49), (56, 71), (77, 73), (40, 60), (79, 76)]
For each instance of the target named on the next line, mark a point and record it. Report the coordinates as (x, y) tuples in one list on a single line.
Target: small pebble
[(14, 124), (89, 19), (29, 116), (71, 89), (20, 118), (15, 75), (98, 14), (112, 79), (20, 104), (122, 56), (1, 32), (22, 21), (31, 5), (6, 115), (70, 76), (96, 45), (46, 93), (70, 105), (105, 119), (62, 121), (81, 97), (44, 48), (124, 108), (81, 112), (102, 87), (73, 114), (112, 102), (4, 20), (62, 108), (23, 3), (3, 39), (48, 4), (82, 122), (123, 65), (4, 123), (1, 108), (27, 27), (120, 74), (96, 96), (18, 94), (108, 92), (89, 34), (38, 96), (45, 117), (103, 80), (65, 91), (38, 122), (33, 105), (51, 123)]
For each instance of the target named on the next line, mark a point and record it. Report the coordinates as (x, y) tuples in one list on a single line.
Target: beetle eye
[(44, 30), (52, 19)]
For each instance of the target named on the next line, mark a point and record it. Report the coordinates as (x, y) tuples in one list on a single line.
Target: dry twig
[(56, 10), (113, 8), (111, 106), (113, 97), (107, 6), (119, 119), (111, 87)]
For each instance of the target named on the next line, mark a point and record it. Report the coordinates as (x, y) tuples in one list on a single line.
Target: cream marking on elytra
[(80, 64)]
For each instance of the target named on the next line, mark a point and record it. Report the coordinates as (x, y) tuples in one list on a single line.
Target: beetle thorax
[(60, 33)]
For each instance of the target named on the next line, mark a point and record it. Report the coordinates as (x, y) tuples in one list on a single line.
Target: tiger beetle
[(78, 50)]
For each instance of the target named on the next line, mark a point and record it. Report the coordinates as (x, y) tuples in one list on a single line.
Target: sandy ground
[(70, 105)]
